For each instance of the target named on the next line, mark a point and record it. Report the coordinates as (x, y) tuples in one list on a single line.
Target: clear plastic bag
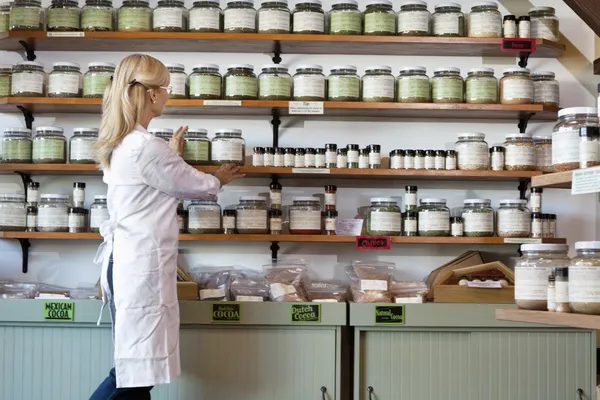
[(46, 291), (18, 290), (84, 293), (371, 281), (286, 281), (248, 285), (327, 292), (409, 292), (213, 283)]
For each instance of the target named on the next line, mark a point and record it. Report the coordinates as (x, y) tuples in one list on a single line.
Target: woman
[(145, 177)]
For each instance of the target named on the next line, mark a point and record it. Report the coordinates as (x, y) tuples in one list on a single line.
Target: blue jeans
[(108, 388)]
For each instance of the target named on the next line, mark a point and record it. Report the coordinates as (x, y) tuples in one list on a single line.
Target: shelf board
[(556, 180), (549, 318), (265, 43)]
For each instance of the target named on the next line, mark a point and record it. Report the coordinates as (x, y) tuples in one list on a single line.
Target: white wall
[(69, 263)]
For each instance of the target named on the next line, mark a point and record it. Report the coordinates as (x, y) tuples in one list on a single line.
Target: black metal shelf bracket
[(524, 121), (524, 59), (274, 251), (277, 52), (29, 50), (276, 121), (523, 185), (26, 178), (370, 390), (324, 392), (25, 245), (28, 117)]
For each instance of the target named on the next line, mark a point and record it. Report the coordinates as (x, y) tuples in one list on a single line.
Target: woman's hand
[(176, 142), (227, 173)]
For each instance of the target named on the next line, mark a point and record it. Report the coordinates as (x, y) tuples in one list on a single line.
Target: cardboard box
[(464, 294)]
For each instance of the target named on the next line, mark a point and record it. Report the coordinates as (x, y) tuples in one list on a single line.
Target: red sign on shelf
[(518, 45), (373, 242)]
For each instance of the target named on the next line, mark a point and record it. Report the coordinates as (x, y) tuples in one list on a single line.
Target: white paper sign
[(349, 227), (485, 285), (522, 241), (306, 108), (311, 171), (586, 181), (228, 103), (66, 34)]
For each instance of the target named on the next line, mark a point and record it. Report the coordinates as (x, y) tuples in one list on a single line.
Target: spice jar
[(429, 159), (320, 158), (543, 153), (135, 16), (279, 158), (414, 19), (374, 156), (409, 159), (363, 158), (77, 219), (397, 159), (240, 83), (419, 159), (229, 221), (309, 157), (165, 134), (28, 79), (33, 193), (330, 222), (275, 222), (497, 158), (308, 17), (481, 86), (524, 26), (378, 84), (96, 79), (205, 82), (447, 86), (13, 213), (546, 89), (584, 278), (440, 159), (343, 84), (516, 86), (485, 21), (305, 216), (206, 16), (353, 152), (561, 294), (299, 158), (204, 216), (434, 218), (456, 226), (275, 195), (179, 83), (26, 15), (289, 158), (240, 17), (98, 213), (478, 216), (182, 217), (196, 147), (5, 78), (274, 17), (49, 146), (565, 137), (537, 224), (269, 157), (65, 80), (251, 215), (448, 20), (513, 219), (5, 16), (97, 16), (384, 217), (589, 147), (309, 83), (544, 23), (519, 152), (342, 158), (510, 26), (170, 16), (410, 198), (275, 83), (472, 152), (412, 85), (535, 200), (63, 15), (16, 145), (330, 197), (32, 214), (78, 194), (53, 213), (532, 270), (227, 147), (451, 162), (345, 18), (379, 18)]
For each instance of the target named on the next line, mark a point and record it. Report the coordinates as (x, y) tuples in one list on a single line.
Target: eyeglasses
[(168, 89)]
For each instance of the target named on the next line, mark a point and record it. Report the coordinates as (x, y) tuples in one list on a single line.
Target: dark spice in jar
[(240, 83), (308, 17), (331, 155), (78, 217), (411, 223), (229, 221), (275, 221), (379, 19), (63, 16), (330, 222), (330, 197)]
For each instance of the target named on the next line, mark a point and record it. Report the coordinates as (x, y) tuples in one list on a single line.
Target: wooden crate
[(464, 294)]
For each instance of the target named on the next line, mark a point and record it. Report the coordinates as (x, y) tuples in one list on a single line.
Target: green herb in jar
[(448, 20), (16, 145), (5, 16), (343, 84), (378, 84), (274, 83), (135, 16), (274, 17), (196, 147), (240, 83), (240, 16), (345, 18), (384, 217), (481, 86), (434, 218), (97, 16), (26, 15), (414, 19), (308, 17), (478, 217), (205, 82), (97, 78), (412, 85), (5, 80), (170, 16), (49, 146), (447, 86), (380, 19), (63, 15), (206, 16)]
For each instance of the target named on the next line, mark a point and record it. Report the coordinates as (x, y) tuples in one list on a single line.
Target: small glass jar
[(434, 218), (374, 156), (274, 17), (546, 89), (78, 194), (182, 217), (63, 16), (289, 157), (457, 226), (319, 158), (497, 158), (279, 157), (412, 85), (274, 83), (228, 147), (519, 152), (206, 16), (13, 213), (419, 159), (353, 153), (229, 216), (33, 193), (16, 145), (485, 21), (363, 158), (97, 16), (204, 216), (305, 216), (275, 195), (447, 86), (240, 83), (537, 225), (478, 217), (378, 84), (32, 214), (472, 152), (330, 222), (410, 223), (330, 155), (535, 199), (524, 26), (448, 20), (170, 16), (345, 18), (410, 197), (544, 23), (96, 79), (179, 82), (81, 146), (205, 82), (308, 17), (240, 17), (5, 16), (513, 219), (429, 162), (5, 79), (561, 290), (309, 83), (589, 147), (53, 213), (481, 86), (414, 19), (384, 217), (565, 137), (342, 158), (509, 26), (165, 134), (77, 221), (330, 197), (309, 157), (275, 222), (451, 160), (379, 18), (516, 86), (343, 84), (584, 278), (28, 79), (397, 159), (440, 159), (299, 157), (65, 80), (26, 15), (196, 147), (252, 215), (543, 153), (49, 146), (135, 16), (409, 159), (98, 213)]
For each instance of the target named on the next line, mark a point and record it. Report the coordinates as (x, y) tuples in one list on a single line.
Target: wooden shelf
[(556, 180), (265, 43), (550, 318)]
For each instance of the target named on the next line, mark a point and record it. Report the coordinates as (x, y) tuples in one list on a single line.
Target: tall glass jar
[(274, 17), (308, 17), (343, 84), (28, 79), (472, 151), (414, 19), (13, 213), (5, 79), (345, 18), (240, 16), (513, 219), (81, 146), (63, 15), (98, 16), (309, 83), (305, 216), (98, 213), (584, 278), (379, 19), (434, 218), (205, 82), (544, 23), (448, 20), (516, 86), (5, 16), (49, 146), (26, 15), (519, 152), (565, 137), (252, 215), (165, 134), (228, 146), (96, 79), (179, 82), (384, 217), (204, 216), (240, 83), (543, 153), (170, 16), (196, 147), (589, 147), (275, 83), (485, 21), (135, 16), (447, 86), (378, 84), (206, 16), (16, 145), (478, 217), (546, 89), (481, 86), (53, 213), (65, 80), (412, 85)]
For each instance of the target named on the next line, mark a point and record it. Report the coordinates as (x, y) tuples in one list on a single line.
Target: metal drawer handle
[(579, 393), (370, 390), (324, 391)]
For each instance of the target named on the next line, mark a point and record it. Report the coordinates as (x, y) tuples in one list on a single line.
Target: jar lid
[(543, 8), (353, 147), (246, 66), (300, 150), (6, 67), (338, 67), (54, 196), (31, 63), (309, 66), (353, 2), (384, 200), (309, 2), (510, 18), (538, 215), (100, 197), (543, 73), (518, 136), (411, 214), (406, 69), (414, 3), (196, 131), (477, 201), (330, 188), (450, 152), (440, 153), (240, 1), (411, 188), (77, 210), (483, 69), (379, 67), (496, 149), (516, 70), (430, 152), (86, 130), (24, 131), (374, 2), (175, 65), (34, 185), (274, 1), (545, 137), (259, 150), (275, 186), (577, 110), (485, 4), (330, 146), (445, 5), (561, 272), (253, 198), (231, 212), (476, 135), (513, 201), (6, 4), (51, 129), (525, 18), (79, 185), (305, 198), (101, 64), (66, 64), (545, 247), (446, 69), (331, 214), (208, 66), (12, 196), (456, 219), (433, 201), (537, 190), (236, 131), (587, 245), (274, 66), (163, 131)]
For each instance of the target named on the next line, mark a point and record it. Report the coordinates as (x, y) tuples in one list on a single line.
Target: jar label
[(4, 24), (330, 199), (373, 284), (25, 16), (589, 152), (410, 225), (319, 161), (204, 219), (446, 24), (584, 284), (211, 293), (135, 19), (178, 83), (344, 86), (515, 89), (16, 149), (478, 221), (4, 82), (378, 87), (429, 162), (305, 220), (363, 161), (275, 224), (384, 221), (32, 220), (308, 21), (275, 198), (95, 85), (289, 160), (98, 216), (543, 156), (78, 196), (240, 18), (434, 221), (33, 195), (513, 221), (240, 86), (497, 161), (561, 292), (13, 216), (537, 228), (479, 89), (48, 149), (409, 162), (374, 158), (251, 219), (53, 217), (380, 22), (227, 151), (309, 160), (228, 222), (249, 298), (413, 21), (281, 289), (205, 18), (447, 88), (440, 162), (352, 156), (546, 92), (510, 29), (202, 85), (544, 29), (299, 161), (456, 229), (64, 83), (97, 18), (169, 18), (519, 155), (396, 162), (342, 21), (565, 146), (342, 161), (270, 20), (330, 224), (196, 150), (63, 18), (531, 282), (450, 163), (413, 88), (330, 157), (309, 86), (76, 221), (535, 201), (472, 155), (274, 86), (268, 159), (27, 83), (485, 23), (419, 162)]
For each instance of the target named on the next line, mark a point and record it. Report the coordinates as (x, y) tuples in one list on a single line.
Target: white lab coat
[(144, 180)]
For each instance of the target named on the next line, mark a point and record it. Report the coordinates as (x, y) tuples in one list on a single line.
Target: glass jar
[(434, 218), (448, 20), (240, 83), (584, 278), (305, 216), (397, 159), (345, 18), (414, 19), (384, 217), (440, 159), (206, 16), (97, 16), (374, 156), (13, 213), (78, 194), (16, 145), (516, 86), (379, 18), (342, 158), (135, 16), (409, 159), (274, 83), (240, 17), (228, 146), (524, 26), (353, 154), (26, 15), (447, 86), (205, 82), (478, 217), (309, 83), (519, 152), (411, 223), (179, 82), (457, 226), (513, 219), (510, 26), (472, 152), (589, 147), (53, 213), (275, 221), (228, 221), (546, 89), (343, 84), (289, 157), (49, 146), (565, 137), (65, 80), (98, 213), (451, 163), (309, 157), (497, 158), (32, 214), (28, 79), (481, 86), (77, 219), (532, 270), (258, 157), (196, 147), (299, 157), (5, 16), (170, 16), (543, 153), (308, 17), (5, 79), (274, 17), (33, 193), (378, 84), (165, 134), (81, 146), (412, 85), (537, 224), (419, 159), (252, 215), (485, 21), (96, 79), (63, 15), (410, 197), (204, 216), (544, 23)]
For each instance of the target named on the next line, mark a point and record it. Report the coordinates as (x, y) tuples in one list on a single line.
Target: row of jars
[(274, 16)]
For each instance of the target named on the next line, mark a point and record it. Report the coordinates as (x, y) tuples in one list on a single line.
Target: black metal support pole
[(523, 59), (28, 116), (523, 122), (274, 251), (26, 178), (29, 51), (276, 121), (25, 244), (277, 52), (523, 185)]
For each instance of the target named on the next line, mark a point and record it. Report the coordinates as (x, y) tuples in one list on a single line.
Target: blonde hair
[(125, 99)]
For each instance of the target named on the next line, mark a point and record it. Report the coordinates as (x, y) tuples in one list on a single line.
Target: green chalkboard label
[(228, 312), (389, 315), (306, 313), (59, 310)]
